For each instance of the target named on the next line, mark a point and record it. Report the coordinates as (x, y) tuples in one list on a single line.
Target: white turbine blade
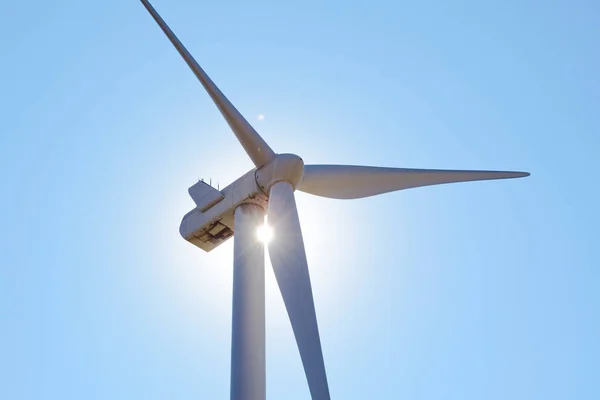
[(353, 182), (288, 258), (257, 149)]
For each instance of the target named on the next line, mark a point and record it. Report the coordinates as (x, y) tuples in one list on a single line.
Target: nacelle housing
[(211, 222)]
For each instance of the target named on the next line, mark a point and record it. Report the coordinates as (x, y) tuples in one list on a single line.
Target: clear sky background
[(484, 290)]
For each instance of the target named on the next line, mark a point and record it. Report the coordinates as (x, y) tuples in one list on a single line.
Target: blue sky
[(467, 291)]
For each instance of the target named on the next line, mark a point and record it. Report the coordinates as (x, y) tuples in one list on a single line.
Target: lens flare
[(264, 233)]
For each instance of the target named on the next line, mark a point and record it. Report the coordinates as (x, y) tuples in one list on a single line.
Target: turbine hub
[(285, 167)]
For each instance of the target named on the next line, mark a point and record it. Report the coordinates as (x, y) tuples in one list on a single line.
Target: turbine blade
[(257, 149), (353, 182), (288, 258)]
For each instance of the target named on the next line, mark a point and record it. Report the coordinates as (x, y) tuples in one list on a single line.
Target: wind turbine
[(240, 208)]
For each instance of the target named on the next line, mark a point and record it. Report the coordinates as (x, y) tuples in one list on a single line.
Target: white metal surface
[(204, 195), (283, 168), (288, 258), (353, 182), (248, 381)]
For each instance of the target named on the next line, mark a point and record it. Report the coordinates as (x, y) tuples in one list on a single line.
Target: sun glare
[(264, 233)]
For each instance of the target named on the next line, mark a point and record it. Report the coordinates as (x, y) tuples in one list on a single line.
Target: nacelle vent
[(204, 195)]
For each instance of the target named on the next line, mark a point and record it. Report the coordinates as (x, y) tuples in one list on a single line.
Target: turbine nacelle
[(212, 221)]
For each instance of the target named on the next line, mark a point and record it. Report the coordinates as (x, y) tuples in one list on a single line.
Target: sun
[(264, 233)]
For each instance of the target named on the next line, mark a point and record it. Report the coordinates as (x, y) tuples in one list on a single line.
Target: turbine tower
[(240, 208)]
